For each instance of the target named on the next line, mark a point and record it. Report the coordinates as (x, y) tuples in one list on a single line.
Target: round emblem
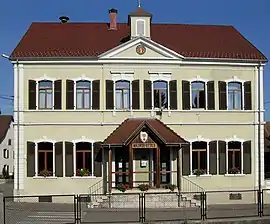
[(140, 49)]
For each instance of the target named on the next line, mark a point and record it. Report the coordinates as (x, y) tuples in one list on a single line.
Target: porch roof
[(131, 127)]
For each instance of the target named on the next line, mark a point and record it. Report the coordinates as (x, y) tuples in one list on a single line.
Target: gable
[(141, 48)]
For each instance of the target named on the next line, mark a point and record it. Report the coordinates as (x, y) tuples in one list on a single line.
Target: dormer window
[(140, 26)]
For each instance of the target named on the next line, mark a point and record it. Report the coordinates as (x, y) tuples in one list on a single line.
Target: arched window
[(6, 153), (234, 157), (199, 158), (45, 158), (83, 94), (45, 90), (84, 157), (160, 94), (140, 27), (234, 96), (198, 94), (122, 92)]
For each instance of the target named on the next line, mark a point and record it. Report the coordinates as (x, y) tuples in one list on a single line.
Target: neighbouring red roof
[(5, 121), (131, 127), (93, 39)]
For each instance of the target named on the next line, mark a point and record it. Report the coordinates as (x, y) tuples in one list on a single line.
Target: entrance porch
[(142, 151)]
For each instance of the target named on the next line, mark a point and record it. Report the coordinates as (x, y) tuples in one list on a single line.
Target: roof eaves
[(80, 58)]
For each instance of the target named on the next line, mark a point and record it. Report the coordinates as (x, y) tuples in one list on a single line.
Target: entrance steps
[(152, 200)]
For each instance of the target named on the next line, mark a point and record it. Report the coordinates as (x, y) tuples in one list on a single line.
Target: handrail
[(190, 186), (97, 188)]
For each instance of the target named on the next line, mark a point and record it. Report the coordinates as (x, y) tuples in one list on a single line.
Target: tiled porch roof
[(130, 128)]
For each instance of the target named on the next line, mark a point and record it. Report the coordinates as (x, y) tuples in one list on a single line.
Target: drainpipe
[(18, 127), (259, 134)]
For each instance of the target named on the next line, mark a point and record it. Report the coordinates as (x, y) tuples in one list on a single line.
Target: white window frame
[(164, 77), (6, 154), (235, 80), (235, 139), (200, 139), (83, 139), (144, 28), (36, 155), (122, 76), (75, 93), (40, 79), (198, 79)]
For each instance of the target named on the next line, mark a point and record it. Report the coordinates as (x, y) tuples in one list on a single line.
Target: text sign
[(144, 145)]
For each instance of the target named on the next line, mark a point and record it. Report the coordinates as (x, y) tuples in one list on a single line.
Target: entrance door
[(142, 166)]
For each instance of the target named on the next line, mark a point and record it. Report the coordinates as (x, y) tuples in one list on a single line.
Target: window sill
[(84, 177), (40, 177), (204, 175), (235, 175)]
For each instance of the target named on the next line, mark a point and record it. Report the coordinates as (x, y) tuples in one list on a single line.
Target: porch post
[(179, 169), (130, 168), (158, 167), (110, 170)]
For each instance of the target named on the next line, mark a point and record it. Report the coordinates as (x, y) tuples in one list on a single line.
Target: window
[(6, 153), (198, 94), (160, 94), (83, 94), (6, 168), (234, 157), (199, 158), (9, 142), (45, 159), (122, 92), (234, 96), (140, 27), (45, 94), (84, 159)]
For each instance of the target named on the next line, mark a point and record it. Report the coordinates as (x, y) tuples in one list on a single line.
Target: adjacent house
[(6, 144), (107, 103)]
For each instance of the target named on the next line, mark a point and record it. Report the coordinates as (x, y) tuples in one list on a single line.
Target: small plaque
[(140, 49), (235, 196)]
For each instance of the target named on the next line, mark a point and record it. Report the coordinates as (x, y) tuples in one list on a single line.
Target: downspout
[(18, 127), (259, 129)]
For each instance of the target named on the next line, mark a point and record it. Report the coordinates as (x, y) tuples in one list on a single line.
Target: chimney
[(113, 16)]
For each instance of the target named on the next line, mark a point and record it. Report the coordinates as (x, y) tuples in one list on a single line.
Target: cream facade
[(71, 123)]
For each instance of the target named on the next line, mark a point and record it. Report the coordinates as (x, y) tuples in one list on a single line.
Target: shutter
[(59, 159), (109, 95), (222, 95), (97, 159), (186, 95), (58, 94), (96, 95), (69, 159), (247, 96), (222, 157), (30, 159), (70, 95), (147, 95), (136, 94), (247, 157), (186, 160), (213, 157), (32, 101), (173, 95), (211, 95)]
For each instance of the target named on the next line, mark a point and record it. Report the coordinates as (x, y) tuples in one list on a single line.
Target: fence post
[(203, 205), (3, 216), (260, 203)]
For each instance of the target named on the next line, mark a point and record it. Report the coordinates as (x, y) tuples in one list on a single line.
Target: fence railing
[(136, 207)]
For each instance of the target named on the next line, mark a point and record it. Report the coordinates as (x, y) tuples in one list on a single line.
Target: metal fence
[(136, 207)]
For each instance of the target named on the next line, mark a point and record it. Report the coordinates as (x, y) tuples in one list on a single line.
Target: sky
[(250, 17)]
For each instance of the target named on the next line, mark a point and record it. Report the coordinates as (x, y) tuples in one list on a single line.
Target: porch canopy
[(141, 133)]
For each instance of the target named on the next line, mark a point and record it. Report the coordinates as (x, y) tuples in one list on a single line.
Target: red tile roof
[(93, 39), (140, 12), (5, 121), (130, 128)]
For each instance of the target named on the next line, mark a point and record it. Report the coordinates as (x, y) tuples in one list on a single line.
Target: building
[(6, 144), (137, 102)]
